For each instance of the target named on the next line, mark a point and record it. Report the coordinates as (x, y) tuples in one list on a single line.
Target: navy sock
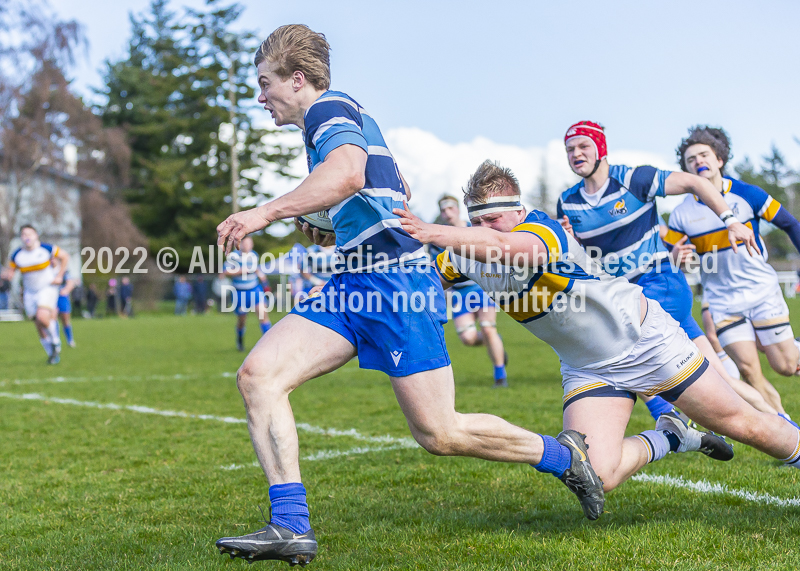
[(499, 372), (673, 441), (265, 327), (556, 458), (658, 406), (240, 335), (289, 507)]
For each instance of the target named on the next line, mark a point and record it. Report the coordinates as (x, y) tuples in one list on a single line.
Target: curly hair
[(714, 137)]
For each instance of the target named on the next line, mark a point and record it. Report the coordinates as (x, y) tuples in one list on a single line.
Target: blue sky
[(519, 73)]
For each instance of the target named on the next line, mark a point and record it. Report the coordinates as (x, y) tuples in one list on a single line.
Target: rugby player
[(249, 284), (612, 341), (612, 214), (743, 294), (353, 175), (65, 307), (40, 281), (471, 305)]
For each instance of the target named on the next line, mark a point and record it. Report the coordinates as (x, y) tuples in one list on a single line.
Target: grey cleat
[(580, 478)]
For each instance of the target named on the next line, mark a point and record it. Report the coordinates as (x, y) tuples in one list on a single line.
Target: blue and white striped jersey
[(247, 263), (620, 221), (368, 234)]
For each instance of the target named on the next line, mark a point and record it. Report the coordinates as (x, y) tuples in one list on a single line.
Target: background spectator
[(5, 288), (126, 297), (91, 299), (111, 297), (200, 294), (183, 294)]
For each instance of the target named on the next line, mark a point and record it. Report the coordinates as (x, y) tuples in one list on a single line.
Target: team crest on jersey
[(308, 160), (574, 219), (619, 208), (735, 209)]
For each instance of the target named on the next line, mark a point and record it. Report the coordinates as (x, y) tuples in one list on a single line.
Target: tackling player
[(65, 307), (612, 341), (40, 281), (612, 214), (743, 294), (249, 284), (354, 176), (471, 305)]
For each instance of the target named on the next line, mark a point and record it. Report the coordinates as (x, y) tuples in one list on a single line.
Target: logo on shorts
[(396, 356), (686, 360), (619, 208)]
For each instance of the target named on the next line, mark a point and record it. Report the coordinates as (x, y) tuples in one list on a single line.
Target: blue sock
[(499, 372), (788, 419), (658, 406), (556, 458), (265, 327), (68, 333), (289, 507), (240, 334)]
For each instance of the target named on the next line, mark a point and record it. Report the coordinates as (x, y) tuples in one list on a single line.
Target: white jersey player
[(742, 290), (611, 340), (40, 283)]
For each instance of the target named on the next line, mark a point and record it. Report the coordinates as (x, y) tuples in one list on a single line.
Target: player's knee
[(251, 380), (438, 443), (751, 372), (784, 366)]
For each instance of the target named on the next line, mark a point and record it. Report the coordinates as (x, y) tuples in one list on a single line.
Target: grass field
[(95, 473)]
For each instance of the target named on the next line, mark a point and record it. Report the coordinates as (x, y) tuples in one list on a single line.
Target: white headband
[(445, 202), (493, 205)]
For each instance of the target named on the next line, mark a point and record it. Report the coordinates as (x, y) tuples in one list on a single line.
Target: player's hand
[(315, 290), (415, 227), (58, 281), (682, 252), (566, 225), (236, 226), (738, 232), (315, 235)]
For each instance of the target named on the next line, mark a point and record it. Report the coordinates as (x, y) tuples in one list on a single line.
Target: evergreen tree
[(172, 94)]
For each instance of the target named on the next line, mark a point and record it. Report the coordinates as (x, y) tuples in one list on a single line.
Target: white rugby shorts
[(663, 362)]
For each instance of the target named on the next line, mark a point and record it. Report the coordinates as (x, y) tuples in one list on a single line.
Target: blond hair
[(490, 180), (296, 47)]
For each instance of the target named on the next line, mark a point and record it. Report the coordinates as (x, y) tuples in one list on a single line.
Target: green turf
[(97, 488)]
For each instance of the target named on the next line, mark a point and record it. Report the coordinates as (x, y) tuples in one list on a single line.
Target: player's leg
[(747, 392), (65, 316), (745, 355), (281, 361), (487, 318), (427, 400), (241, 323), (263, 313), (711, 334), (603, 420), (47, 325), (782, 356), (467, 329), (711, 402)]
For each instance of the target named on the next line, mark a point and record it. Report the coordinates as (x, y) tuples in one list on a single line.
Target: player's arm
[(63, 261), (69, 285), (406, 188), (483, 244), (685, 183), (784, 220), (338, 177)]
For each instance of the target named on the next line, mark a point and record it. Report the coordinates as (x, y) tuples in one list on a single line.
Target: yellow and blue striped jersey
[(732, 282), (586, 315)]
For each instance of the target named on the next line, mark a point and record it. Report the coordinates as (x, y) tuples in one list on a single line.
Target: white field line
[(100, 378), (351, 433), (328, 454), (708, 488)]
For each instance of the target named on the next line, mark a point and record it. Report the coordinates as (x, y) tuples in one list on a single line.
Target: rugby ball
[(318, 220)]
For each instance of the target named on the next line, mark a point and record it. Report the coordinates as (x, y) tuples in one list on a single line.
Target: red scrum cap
[(592, 130)]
